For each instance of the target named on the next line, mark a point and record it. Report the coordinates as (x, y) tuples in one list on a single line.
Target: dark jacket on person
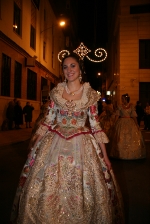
[(18, 114), (27, 111)]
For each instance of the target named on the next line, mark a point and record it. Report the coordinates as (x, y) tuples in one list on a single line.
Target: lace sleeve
[(95, 125), (49, 119)]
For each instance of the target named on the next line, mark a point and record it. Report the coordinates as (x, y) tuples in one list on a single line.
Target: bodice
[(68, 118), (126, 112)]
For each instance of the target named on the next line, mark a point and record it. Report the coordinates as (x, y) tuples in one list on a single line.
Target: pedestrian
[(27, 111), (68, 176), (10, 114), (147, 117), (126, 140), (18, 115), (139, 111)]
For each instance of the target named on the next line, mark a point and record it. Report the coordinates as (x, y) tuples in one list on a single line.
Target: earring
[(80, 77), (65, 80)]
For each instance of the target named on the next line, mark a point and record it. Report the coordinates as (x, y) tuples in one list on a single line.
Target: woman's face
[(123, 99), (71, 69)]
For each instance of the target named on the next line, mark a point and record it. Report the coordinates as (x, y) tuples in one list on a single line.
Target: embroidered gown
[(126, 140), (65, 179), (106, 119)]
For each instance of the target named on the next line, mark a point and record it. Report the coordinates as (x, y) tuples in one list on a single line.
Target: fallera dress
[(107, 119), (65, 179), (127, 140)]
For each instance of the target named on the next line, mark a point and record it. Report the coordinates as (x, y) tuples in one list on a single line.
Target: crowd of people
[(68, 176), (15, 115)]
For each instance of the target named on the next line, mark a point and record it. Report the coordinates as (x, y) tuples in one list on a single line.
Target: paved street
[(133, 177)]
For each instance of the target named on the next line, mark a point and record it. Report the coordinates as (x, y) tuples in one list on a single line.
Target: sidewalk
[(15, 136)]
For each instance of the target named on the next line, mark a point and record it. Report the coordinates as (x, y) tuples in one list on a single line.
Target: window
[(44, 50), (17, 19), (17, 79), (31, 85), (52, 86), (0, 10), (32, 37), (68, 4), (44, 15), (53, 47), (36, 3), (43, 82), (137, 9), (5, 77), (33, 27), (144, 54)]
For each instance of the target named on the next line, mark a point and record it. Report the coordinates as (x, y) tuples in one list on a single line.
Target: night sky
[(92, 31)]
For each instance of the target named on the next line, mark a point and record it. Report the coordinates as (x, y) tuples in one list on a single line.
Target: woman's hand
[(35, 140), (108, 163)]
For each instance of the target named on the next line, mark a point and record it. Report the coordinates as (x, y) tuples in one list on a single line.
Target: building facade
[(30, 39), (129, 50)]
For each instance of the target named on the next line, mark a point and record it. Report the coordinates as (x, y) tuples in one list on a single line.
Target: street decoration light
[(82, 52)]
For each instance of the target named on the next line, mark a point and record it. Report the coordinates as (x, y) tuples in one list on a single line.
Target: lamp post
[(62, 23)]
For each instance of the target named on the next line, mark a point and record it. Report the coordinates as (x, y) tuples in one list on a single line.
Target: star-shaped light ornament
[(82, 51)]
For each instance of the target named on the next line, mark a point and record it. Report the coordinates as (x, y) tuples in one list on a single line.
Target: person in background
[(139, 111), (10, 114), (27, 111), (18, 115), (68, 176), (126, 139), (147, 117), (41, 117), (106, 118)]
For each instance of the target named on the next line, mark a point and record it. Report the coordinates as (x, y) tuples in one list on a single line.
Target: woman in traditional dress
[(127, 140), (106, 118), (68, 178)]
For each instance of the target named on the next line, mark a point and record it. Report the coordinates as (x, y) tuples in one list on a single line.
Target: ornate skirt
[(67, 182), (126, 141)]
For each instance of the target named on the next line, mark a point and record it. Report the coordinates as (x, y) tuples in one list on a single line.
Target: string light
[(82, 52), (99, 53), (62, 54)]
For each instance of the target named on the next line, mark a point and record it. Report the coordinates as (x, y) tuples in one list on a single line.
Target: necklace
[(126, 106), (75, 92)]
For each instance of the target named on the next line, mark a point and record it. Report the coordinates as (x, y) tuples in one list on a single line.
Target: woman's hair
[(127, 97), (77, 58)]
